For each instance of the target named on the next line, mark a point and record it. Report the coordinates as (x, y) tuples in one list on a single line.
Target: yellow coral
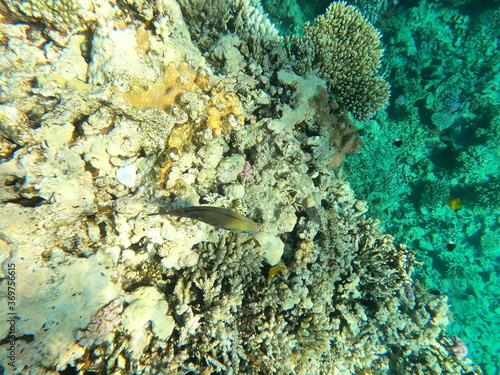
[(163, 95)]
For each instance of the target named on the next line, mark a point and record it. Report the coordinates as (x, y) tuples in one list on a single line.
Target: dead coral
[(344, 48)]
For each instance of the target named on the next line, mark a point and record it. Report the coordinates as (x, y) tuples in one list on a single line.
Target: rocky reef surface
[(110, 110)]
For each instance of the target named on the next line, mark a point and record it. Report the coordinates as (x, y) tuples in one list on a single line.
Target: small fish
[(451, 246), (397, 142), (274, 270), (216, 216), (454, 203)]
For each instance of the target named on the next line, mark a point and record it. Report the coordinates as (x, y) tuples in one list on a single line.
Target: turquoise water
[(438, 142)]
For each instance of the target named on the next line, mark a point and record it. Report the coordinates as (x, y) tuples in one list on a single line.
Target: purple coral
[(247, 173), (410, 294), (459, 348)]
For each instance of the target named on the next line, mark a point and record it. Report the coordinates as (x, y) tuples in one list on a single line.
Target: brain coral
[(344, 48)]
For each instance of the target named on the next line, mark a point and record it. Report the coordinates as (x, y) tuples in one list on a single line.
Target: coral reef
[(344, 48), (467, 3), (431, 194), (162, 114), (289, 15), (443, 66), (376, 10)]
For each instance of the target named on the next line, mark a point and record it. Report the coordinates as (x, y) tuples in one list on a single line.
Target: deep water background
[(438, 139)]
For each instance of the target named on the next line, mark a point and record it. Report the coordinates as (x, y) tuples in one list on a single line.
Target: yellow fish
[(454, 203), (274, 270), (216, 216)]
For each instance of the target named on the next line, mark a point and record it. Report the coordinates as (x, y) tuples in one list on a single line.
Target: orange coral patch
[(226, 104), (163, 95)]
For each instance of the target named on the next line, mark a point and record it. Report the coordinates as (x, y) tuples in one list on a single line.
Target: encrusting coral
[(344, 48), (115, 290)]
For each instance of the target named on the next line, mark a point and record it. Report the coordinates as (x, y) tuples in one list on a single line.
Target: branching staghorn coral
[(344, 48)]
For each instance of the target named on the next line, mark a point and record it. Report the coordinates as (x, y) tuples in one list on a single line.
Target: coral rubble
[(159, 112)]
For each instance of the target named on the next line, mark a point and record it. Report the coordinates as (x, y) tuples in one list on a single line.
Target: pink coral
[(459, 348), (247, 173)]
